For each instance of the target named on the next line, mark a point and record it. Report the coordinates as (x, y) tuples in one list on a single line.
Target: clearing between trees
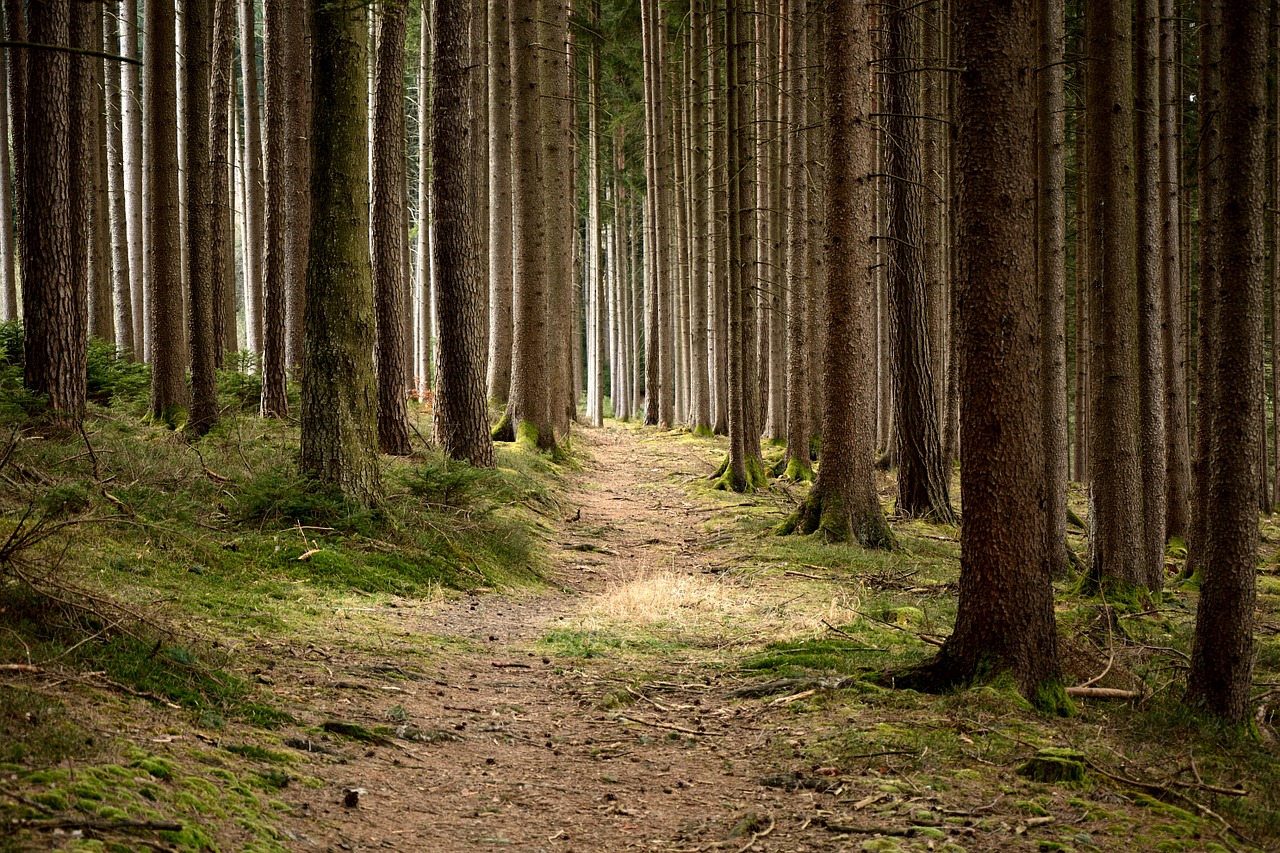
[(662, 674)]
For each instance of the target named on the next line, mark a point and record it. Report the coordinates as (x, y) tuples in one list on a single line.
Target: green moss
[(1050, 697), (798, 471), (527, 435), (1054, 764), (703, 431)]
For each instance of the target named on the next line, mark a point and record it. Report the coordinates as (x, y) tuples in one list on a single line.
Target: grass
[(145, 565)]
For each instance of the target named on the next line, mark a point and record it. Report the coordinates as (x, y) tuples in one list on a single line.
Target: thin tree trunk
[(718, 202), (15, 65), (500, 254), (1083, 277), (222, 231), (121, 269), (799, 415), (202, 265), (255, 202), (131, 128)]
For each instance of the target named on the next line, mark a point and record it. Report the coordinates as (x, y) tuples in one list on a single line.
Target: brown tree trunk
[(339, 394), (86, 167), (1005, 621), (53, 315), (1082, 279), (131, 131), (169, 398), (15, 29), (297, 176), (201, 266), (387, 215), (843, 504), (1051, 225), (1222, 651), (718, 202), (121, 271), (1116, 540), (222, 233), (500, 258), (799, 369), (461, 411), (1151, 311), (922, 480)]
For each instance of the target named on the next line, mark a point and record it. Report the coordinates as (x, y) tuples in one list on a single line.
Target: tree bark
[(255, 203), (500, 247), (1005, 621), (15, 29), (922, 479), (121, 270), (339, 394), (1222, 650), (169, 398), (843, 504), (222, 229), (85, 169), (1116, 540), (53, 315), (387, 230), (131, 129), (1051, 222), (799, 414), (201, 265)]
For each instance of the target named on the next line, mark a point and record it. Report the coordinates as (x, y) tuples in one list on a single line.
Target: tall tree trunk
[(201, 264), (718, 202), (461, 411), (922, 479), (594, 234), (131, 130), (559, 205), (339, 394), (1209, 184), (422, 289), (1222, 651), (1177, 450), (500, 257), (169, 399), (255, 203), (1083, 277), (222, 230), (699, 231), (120, 278), (1051, 222), (799, 369), (53, 315), (1116, 540), (1005, 621), (387, 230), (528, 415), (843, 504), (85, 168), (15, 29), (1150, 302)]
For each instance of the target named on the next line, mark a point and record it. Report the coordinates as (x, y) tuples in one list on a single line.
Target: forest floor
[(684, 680)]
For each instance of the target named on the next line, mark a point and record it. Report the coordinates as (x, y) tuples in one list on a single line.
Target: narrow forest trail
[(524, 749)]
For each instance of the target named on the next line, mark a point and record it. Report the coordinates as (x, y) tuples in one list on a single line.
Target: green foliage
[(11, 342), (280, 494), (37, 731), (112, 377), (240, 389)]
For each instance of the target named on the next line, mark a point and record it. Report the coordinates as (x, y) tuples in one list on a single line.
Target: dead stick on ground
[(1103, 692), (756, 836), (20, 667), (668, 726), (100, 824), (924, 638)]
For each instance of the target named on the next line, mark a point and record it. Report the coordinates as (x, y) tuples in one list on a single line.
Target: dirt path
[(521, 749)]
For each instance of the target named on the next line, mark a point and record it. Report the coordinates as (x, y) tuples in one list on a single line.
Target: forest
[(640, 424)]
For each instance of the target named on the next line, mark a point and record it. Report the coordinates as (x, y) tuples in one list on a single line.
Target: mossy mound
[(1054, 764)]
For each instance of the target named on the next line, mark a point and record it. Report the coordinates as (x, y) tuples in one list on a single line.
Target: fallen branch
[(20, 667), (756, 836), (1103, 692), (924, 638), (668, 726)]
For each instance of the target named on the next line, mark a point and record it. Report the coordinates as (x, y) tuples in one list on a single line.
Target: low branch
[(80, 51)]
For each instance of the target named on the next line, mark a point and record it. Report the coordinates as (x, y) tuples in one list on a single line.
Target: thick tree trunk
[(387, 234), (1222, 650), (1116, 540), (339, 394), (799, 414), (201, 264), (53, 315), (461, 411), (222, 228), (718, 202), (85, 168), (843, 504), (169, 398), (297, 177), (558, 209), (1005, 621)]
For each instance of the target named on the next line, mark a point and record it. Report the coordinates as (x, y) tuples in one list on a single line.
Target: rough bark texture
[(1208, 169), (8, 248), (297, 176), (1222, 651), (500, 257), (339, 396), (799, 414), (1150, 293), (1005, 620), (53, 313), (699, 174), (843, 504), (528, 414), (1051, 225), (85, 168), (558, 209), (461, 412), (276, 59), (222, 233), (169, 399), (131, 121), (922, 477), (1173, 332), (15, 29), (120, 278), (255, 203), (719, 204), (1082, 279), (201, 268), (387, 235), (1116, 540)]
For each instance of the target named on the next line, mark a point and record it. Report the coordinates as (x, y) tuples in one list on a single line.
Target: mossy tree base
[(945, 672), (828, 516), (1054, 764), (756, 477)]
